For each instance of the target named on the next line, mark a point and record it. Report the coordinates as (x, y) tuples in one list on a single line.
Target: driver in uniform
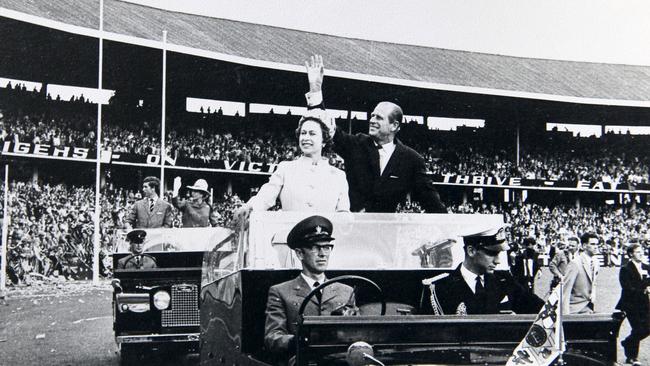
[(311, 239), (475, 288), (136, 260)]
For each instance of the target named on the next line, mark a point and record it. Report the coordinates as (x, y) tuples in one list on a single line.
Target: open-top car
[(390, 259), (157, 305)]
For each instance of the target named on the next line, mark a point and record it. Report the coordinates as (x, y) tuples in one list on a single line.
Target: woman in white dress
[(308, 183)]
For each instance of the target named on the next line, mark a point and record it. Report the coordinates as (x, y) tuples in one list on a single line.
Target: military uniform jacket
[(282, 310), (451, 295), (136, 261)]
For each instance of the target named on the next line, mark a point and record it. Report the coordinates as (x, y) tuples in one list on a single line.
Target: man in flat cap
[(311, 239), (475, 288), (137, 260)]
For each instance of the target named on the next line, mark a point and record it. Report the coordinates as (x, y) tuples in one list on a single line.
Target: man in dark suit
[(635, 282), (312, 241), (526, 265), (381, 171), (151, 211), (475, 288), (137, 260)]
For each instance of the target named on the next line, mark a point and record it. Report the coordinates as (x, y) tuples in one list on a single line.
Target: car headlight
[(161, 300)]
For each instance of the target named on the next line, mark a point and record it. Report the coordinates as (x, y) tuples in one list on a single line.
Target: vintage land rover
[(390, 259), (158, 308)]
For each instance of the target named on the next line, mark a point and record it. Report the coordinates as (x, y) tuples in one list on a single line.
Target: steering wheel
[(342, 279), (141, 255)]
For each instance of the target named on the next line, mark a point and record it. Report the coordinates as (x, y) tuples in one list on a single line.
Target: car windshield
[(368, 240), (178, 240)]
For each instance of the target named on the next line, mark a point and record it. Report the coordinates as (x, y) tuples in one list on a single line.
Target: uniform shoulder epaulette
[(430, 280), (435, 303)]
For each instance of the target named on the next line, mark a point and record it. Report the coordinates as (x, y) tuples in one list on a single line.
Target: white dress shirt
[(310, 281), (385, 152), (470, 278)]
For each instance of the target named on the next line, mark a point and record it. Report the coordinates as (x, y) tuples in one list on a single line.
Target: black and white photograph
[(331, 183)]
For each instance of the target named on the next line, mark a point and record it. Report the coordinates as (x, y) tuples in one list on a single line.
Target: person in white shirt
[(381, 170)]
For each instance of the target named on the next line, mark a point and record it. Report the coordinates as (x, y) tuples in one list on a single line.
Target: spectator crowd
[(269, 138), (615, 227), (51, 228)]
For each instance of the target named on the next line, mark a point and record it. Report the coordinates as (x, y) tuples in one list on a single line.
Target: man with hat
[(312, 241), (475, 288), (137, 260), (196, 211)]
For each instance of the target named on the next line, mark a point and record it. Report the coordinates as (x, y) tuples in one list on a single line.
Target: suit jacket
[(141, 218), (451, 295), (633, 298), (282, 310), (579, 286), (405, 173), (131, 262)]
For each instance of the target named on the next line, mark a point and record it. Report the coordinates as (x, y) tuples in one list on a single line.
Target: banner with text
[(86, 154)]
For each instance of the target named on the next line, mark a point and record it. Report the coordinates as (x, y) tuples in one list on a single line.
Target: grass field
[(608, 291)]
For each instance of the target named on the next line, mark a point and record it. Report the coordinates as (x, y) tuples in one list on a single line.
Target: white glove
[(177, 186)]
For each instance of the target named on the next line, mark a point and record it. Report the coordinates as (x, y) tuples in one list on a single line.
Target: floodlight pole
[(5, 228), (163, 153), (517, 143), (98, 208)]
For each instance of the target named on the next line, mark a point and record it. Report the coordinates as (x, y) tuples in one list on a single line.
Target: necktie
[(137, 262), (479, 290), (319, 295), (151, 203)]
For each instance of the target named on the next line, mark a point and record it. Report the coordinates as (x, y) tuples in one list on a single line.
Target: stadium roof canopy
[(283, 49)]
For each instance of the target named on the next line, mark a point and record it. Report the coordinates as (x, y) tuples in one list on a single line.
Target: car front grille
[(184, 309)]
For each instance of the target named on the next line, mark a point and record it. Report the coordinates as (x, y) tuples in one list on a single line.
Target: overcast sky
[(612, 31)]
